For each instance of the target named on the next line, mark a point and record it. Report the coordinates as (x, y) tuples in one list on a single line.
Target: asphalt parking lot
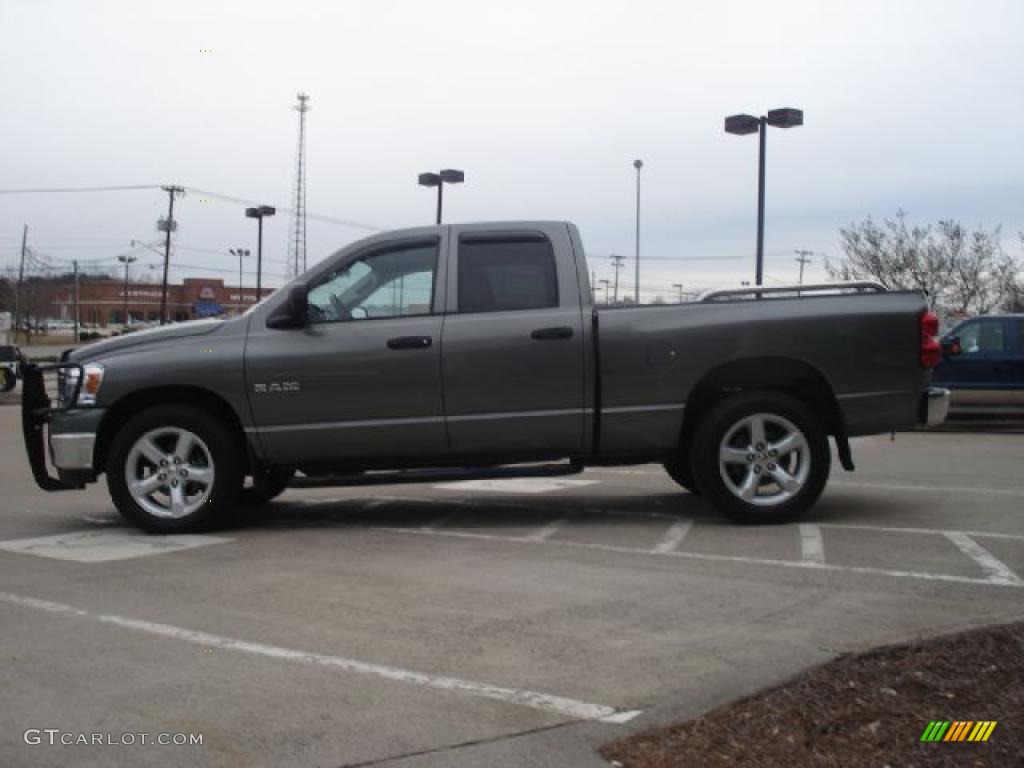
[(507, 622)]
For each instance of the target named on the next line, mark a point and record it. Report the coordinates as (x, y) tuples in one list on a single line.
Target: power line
[(39, 190), (314, 216)]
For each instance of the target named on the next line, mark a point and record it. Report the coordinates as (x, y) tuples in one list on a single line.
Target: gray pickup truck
[(472, 348)]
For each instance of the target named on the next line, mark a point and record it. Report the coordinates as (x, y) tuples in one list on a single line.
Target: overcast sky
[(545, 105)]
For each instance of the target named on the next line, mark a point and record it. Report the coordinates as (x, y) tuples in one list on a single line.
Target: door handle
[(410, 342), (546, 334)]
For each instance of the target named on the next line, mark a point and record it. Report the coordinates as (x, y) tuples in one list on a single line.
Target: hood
[(97, 349)]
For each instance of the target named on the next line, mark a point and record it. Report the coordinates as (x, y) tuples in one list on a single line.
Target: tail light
[(931, 351)]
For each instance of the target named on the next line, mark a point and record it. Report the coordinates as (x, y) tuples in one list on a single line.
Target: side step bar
[(441, 475)]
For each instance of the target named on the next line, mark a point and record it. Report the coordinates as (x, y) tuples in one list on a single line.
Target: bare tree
[(959, 271)]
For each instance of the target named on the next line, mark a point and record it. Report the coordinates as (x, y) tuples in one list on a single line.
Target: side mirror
[(951, 346), (294, 312)]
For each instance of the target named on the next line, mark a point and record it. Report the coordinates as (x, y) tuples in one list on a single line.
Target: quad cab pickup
[(470, 349)]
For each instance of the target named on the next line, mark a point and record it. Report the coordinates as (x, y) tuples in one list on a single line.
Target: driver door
[(362, 380)]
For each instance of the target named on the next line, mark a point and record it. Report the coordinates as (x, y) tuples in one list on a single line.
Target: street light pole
[(126, 260), (240, 253), (447, 176), (638, 164), (679, 287), (605, 284), (740, 125), (258, 214)]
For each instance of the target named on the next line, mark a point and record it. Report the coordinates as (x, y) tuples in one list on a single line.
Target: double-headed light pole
[(447, 176), (741, 125), (259, 213)]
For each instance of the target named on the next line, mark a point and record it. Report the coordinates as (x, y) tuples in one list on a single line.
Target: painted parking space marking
[(928, 488), (996, 569), (545, 532), (812, 547), (572, 708), (933, 531), (870, 570), (103, 545), (517, 485), (673, 537), (442, 522)]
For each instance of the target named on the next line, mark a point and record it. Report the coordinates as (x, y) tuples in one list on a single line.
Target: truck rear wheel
[(173, 468), (761, 457)]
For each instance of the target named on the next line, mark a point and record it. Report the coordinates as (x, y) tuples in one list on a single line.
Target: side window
[(396, 282), (982, 337), (500, 274)]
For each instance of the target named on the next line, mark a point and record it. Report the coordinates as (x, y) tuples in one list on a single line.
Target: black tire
[(215, 441), (265, 487), (7, 379), (678, 468), (806, 468)]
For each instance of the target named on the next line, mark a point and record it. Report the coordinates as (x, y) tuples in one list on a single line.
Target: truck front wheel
[(173, 468), (761, 457)]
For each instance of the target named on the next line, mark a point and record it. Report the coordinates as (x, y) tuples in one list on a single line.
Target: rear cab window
[(500, 273)]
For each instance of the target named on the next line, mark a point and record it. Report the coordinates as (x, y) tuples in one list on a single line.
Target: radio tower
[(297, 240)]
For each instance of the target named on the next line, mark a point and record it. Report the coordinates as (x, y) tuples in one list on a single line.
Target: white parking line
[(101, 545), (996, 569), (580, 710), (710, 557), (545, 532), (673, 536), (929, 488), (938, 531), (812, 548), (441, 521)]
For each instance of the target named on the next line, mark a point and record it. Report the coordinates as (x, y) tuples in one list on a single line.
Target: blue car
[(983, 365)]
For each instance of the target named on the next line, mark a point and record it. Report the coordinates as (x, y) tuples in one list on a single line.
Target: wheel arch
[(789, 375), (193, 396)]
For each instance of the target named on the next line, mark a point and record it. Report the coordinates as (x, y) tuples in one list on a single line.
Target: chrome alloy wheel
[(169, 472), (764, 459)]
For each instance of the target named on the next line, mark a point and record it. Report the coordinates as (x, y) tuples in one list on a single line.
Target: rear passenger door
[(512, 345)]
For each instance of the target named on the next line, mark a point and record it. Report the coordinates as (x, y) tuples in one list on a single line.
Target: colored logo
[(958, 730)]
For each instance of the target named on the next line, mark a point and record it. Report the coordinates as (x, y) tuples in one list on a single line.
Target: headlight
[(92, 380)]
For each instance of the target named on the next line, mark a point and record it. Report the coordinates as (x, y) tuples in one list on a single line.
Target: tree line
[(961, 272)]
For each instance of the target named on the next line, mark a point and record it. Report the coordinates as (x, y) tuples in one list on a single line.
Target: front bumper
[(36, 412), (934, 406)]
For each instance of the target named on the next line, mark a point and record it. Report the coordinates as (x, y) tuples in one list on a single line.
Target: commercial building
[(102, 302)]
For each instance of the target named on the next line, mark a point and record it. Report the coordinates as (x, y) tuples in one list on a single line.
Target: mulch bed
[(865, 709)]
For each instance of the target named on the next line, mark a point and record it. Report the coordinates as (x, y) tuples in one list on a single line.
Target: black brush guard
[(36, 410)]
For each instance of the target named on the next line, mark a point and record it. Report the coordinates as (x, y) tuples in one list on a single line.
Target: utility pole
[(679, 287), (74, 263), (167, 225), (21, 279), (804, 257), (617, 264)]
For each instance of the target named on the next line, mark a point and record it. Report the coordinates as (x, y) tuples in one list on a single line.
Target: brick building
[(102, 302)]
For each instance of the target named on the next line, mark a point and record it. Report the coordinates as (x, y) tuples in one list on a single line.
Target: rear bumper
[(934, 406)]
